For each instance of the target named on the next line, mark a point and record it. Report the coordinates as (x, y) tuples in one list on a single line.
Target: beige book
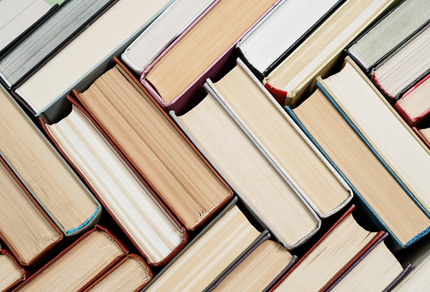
[(267, 191), (115, 27), (155, 147), (78, 265), (117, 186), (361, 167), (129, 276), (417, 102), (426, 133), (258, 270), (21, 224), (204, 44), (9, 272), (383, 128), (317, 55), (328, 258), (43, 171), (374, 273), (210, 255), (406, 65), (271, 127)]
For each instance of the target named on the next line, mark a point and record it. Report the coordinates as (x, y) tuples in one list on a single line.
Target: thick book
[(152, 143), (40, 168), (258, 270), (201, 52), (404, 67), (250, 172), (294, 79), (91, 51), (386, 199), (11, 273), (389, 33), (162, 32), (134, 206), (19, 17), (24, 227), (337, 250), (383, 128), (217, 250), (414, 105), (45, 39), (376, 270), (130, 274), (80, 264), (280, 31), (274, 133)]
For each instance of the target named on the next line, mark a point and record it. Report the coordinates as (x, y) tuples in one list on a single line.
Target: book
[(376, 270), (255, 111), (162, 32), (201, 51), (337, 250), (294, 79), (414, 105), (130, 274), (405, 66), (389, 203), (17, 17), (155, 147), (41, 42), (417, 279), (116, 28), (260, 268), (424, 135), (43, 172), (212, 253), (389, 32), (11, 273), (253, 176), (24, 226), (79, 265), (383, 128), (281, 30), (129, 200)]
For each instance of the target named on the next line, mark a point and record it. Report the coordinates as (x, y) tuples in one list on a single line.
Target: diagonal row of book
[(180, 150)]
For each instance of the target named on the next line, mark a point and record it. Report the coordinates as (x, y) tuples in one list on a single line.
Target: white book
[(61, 74), (162, 32), (283, 27)]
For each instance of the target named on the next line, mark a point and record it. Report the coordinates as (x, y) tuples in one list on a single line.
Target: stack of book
[(216, 145)]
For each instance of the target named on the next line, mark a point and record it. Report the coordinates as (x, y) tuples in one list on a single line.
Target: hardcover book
[(150, 226), (11, 273), (389, 202), (273, 132), (150, 141), (43, 172), (294, 79), (282, 210), (389, 33), (201, 52), (24, 226), (337, 250), (79, 265), (280, 31), (162, 32)]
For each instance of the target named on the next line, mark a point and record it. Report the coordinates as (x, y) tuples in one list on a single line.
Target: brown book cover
[(117, 266), (25, 273), (113, 263), (131, 167), (126, 157), (48, 249), (347, 266)]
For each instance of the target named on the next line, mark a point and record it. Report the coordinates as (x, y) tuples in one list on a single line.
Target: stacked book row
[(230, 135)]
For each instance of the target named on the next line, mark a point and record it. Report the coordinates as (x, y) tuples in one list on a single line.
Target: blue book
[(325, 112)]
